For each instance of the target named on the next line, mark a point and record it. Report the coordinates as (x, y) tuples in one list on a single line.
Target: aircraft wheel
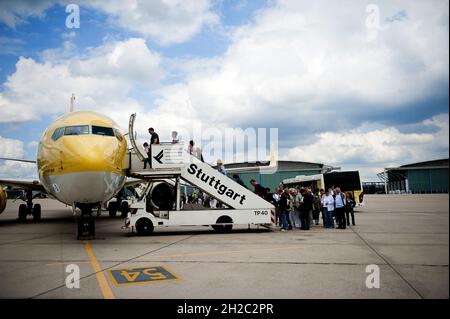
[(36, 212), (86, 227), (23, 212), (144, 226), (124, 208), (112, 209)]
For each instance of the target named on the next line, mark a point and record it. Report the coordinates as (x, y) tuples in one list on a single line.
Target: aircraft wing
[(17, 160), (134, 181), (23, 184)]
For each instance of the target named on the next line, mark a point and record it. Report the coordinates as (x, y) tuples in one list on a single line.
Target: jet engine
[(161, 196)]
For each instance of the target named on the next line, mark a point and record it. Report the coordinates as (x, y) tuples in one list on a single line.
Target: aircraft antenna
[(72, 100)]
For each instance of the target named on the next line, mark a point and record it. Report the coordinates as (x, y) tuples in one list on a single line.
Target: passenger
[(327, 209), (339, 204), (331, 189), (349, 208), (268, 196), (147, 159), (305, 214), (154, 139), (258, 189), (238, 180), (220, 167), (195, 150), (293, 212), (276, 202), (213, 202), (299, 204), (283, 210), (175, 138), (317, 207)]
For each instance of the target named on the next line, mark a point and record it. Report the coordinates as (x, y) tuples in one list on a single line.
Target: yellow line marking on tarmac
[(102, 282)]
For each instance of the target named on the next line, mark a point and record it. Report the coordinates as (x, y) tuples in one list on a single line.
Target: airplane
[(80, 163)]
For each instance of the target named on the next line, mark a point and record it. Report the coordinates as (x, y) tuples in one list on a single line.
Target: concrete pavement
[(405, 235)]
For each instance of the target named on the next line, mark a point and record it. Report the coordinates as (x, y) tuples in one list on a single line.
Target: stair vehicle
[(160, 205)]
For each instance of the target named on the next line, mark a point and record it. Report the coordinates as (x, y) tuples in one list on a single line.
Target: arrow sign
[(159, 156)]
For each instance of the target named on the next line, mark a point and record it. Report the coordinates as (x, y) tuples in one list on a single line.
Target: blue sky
[(343, 84)]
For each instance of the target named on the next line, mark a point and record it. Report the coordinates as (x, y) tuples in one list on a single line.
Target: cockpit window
[(102, 130), (76, 130), (58, 133)]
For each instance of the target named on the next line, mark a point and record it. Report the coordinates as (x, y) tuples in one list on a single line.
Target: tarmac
[(403, 238)]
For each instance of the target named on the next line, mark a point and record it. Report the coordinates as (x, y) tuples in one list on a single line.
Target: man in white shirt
[(327, 209)]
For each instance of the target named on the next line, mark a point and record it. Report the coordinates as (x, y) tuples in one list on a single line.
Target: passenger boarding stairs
[(170, 161)]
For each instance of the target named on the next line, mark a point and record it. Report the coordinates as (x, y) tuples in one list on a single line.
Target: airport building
[(286, 169), (417, 178)]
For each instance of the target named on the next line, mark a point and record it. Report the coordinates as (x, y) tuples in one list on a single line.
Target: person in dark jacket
[(283, 210), (238, 180), (308, 200), (259, 190), (349, 208)]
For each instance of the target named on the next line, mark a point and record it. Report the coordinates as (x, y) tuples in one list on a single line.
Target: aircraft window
[(58, 133), (76, 130), (118, 135), (102, 130)]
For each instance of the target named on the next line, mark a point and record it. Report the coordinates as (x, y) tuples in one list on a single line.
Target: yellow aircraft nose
[(91, 153)]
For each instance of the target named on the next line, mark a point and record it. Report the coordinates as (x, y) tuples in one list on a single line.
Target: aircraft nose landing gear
[(85, 224)]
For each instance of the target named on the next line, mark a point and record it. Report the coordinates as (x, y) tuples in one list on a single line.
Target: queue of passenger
[(300, 208)]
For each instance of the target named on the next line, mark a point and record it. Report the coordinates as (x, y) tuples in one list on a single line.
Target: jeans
[(283, 219), (295, 218), (328, 221)]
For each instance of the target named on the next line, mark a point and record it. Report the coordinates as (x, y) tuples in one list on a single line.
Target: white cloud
[(306, 66), (373, 150), (102, 81), (166, 21), (13, 12), (297, 58), (20, 170), (11, 148)]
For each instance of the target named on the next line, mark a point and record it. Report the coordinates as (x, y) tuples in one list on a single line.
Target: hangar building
[(417, 178)]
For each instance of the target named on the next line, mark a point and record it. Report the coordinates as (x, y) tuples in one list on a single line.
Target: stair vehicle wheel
[(112, 209), (223, 228), (144, 226), (124, 208), (36, 212), (23, 212)]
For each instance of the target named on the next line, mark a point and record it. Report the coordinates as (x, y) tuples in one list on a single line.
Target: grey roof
[(439, 162), (433, 164), (281, 164)]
